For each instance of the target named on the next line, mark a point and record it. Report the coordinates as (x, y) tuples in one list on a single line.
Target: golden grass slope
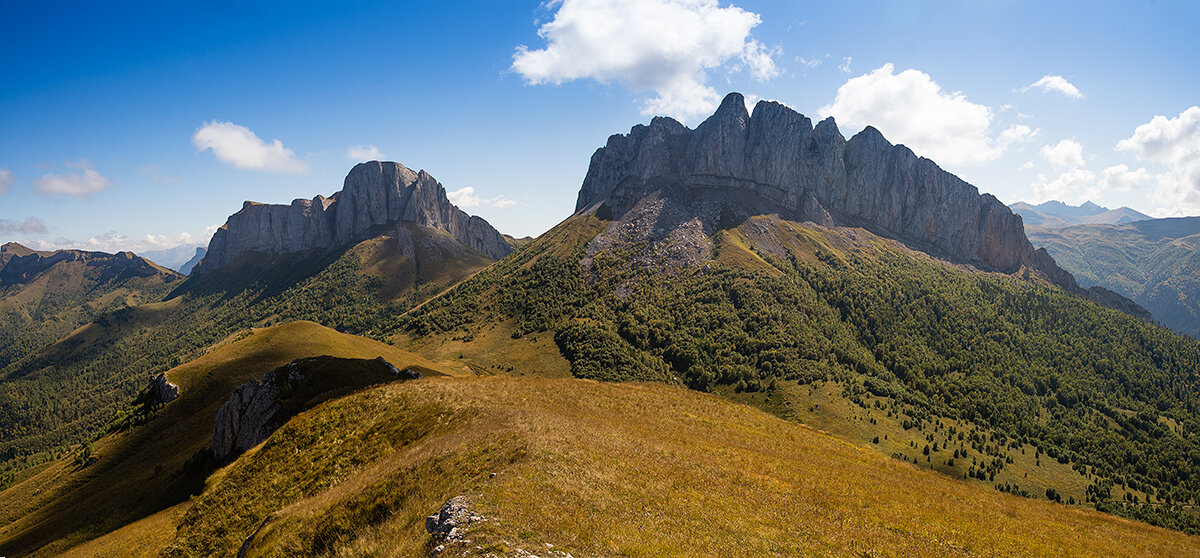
[(608, 470), (138, 472)]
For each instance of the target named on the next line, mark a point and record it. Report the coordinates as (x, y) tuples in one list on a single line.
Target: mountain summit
[(735, 165), (375, 195)]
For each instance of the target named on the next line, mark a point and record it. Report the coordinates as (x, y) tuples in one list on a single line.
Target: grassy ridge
[(142, 471), (67, 295), (607, 469)]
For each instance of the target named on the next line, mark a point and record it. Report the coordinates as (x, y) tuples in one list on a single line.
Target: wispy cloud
[(808, 62), (113, 241), (663, 46), (153, 172), (80, 184), (6, 180), (31, 225), (466, 197), (1056, 84), (242, 148), (845, 65), (364, 152)]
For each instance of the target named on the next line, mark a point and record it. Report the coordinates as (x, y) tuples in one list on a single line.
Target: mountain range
[(756, 313), (181, 258), (1055, 214)]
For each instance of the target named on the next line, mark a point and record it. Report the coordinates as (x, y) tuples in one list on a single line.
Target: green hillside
[(143, 468), (1156, 263), (67, 391), (44, 300), (1013, 383)]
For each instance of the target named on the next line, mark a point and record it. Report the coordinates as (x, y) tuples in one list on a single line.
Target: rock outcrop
[(256, 409), (454, 517), (161, 390), (250, 415), (375, 194), (735, 164)]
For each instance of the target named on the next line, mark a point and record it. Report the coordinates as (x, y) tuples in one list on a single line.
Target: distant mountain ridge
[(23, 264), (736, 164), (375, 195), (175, 258), (1155, 262), (45, 295), (1055, 214), (187, 266)]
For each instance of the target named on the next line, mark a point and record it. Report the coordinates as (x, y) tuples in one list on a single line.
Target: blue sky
[(144, 125)]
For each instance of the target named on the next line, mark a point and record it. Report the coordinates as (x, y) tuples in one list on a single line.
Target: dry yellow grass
[(650, 470), (615, 470), (138, 472), (141, 538)]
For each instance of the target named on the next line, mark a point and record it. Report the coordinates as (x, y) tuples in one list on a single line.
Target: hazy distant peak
[(1055, 214)]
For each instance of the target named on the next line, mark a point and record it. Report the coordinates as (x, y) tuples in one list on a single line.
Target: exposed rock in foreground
[(255, 410), (375, 194), (666, 179), (451, 520)]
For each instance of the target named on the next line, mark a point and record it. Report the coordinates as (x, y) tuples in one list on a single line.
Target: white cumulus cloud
[(364, 152), (1175, 144), (466, 197), (1066, 154), (1018, 133), (81, 184), (6, 180), (663, 46), (1056, 84), (239, 146), (1072, 186), (1120, 179), (910, 108), (1075, 183)]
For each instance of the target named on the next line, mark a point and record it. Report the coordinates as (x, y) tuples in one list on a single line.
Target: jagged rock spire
[(374, 194), (778, 161)]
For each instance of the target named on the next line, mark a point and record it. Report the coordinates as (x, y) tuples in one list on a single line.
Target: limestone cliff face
[(374, 194), (776, 161)]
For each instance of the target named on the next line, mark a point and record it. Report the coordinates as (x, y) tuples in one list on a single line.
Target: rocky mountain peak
[(774, 161), (15, 249), (374, 195)]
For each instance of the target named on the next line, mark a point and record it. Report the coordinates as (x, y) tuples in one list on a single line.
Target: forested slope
[(988, 371)]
